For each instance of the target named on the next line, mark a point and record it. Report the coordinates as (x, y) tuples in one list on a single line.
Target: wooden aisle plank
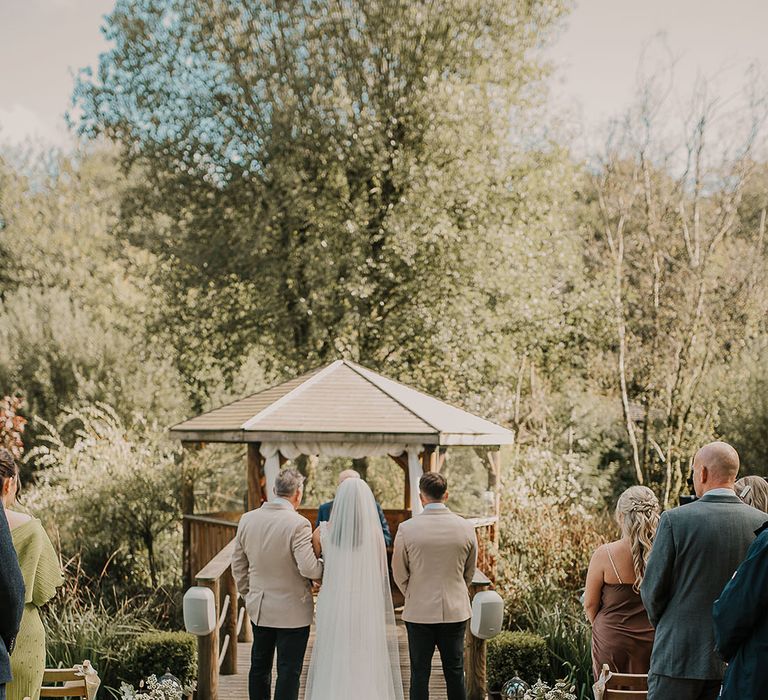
[(236, 687)]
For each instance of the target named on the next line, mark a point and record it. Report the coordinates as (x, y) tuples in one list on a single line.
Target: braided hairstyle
[(637, 512), (9, 469), (753, 490)]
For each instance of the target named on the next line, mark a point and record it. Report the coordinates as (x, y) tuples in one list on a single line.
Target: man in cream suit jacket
[(273, 565), (433, 564)]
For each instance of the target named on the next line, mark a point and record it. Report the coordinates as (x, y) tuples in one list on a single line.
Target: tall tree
[(682, 270), (329, 176)]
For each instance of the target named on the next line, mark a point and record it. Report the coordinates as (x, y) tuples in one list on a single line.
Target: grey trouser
[(668, 688)]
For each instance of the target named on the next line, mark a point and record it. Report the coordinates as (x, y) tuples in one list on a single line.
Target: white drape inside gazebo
[(271, 452)]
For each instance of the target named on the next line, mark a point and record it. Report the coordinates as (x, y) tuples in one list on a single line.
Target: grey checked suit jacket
[(697, 548)]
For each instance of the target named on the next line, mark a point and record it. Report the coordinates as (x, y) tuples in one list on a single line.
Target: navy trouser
[(291, 644), (668, 688), (2, 691), (448, 637)]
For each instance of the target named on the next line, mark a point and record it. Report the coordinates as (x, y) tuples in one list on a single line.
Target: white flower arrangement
[(154, 689), (541, 691)]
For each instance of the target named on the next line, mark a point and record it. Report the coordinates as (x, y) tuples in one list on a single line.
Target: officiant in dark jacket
[(741, 625), (324, 511), (11, 600)]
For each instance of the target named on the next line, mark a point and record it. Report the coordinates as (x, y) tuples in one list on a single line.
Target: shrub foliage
[(521, 654), (154, 653)]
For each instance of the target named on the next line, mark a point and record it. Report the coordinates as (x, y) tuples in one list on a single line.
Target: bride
[(356, 653)]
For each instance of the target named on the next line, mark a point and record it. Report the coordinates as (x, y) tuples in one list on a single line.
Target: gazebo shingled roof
[(346, 402)]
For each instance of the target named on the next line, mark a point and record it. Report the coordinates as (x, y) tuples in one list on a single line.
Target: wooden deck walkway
[(236, 687)]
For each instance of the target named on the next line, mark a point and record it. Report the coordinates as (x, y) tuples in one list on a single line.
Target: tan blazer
[(273, 563), (433, 564)]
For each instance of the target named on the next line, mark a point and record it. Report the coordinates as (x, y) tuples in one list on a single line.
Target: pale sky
[(43, 42), (600, 48)]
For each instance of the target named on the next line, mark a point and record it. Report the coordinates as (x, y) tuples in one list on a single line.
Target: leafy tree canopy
[(325, 178)]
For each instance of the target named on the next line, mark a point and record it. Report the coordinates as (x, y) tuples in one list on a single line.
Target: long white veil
[(356, 651)]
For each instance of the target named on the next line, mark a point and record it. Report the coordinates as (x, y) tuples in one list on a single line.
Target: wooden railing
[(207, 535), (486, 529), (217, 652)]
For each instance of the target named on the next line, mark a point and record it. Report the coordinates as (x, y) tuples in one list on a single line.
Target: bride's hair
[(637, 512), (350, 515)]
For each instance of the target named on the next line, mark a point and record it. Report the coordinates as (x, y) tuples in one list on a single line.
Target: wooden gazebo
[(341, 410)]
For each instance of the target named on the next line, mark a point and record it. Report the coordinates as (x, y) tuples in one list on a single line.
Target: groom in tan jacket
[(433, 564), (273, 565)]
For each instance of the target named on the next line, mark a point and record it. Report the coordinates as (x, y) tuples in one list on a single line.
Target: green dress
[(42, 575)]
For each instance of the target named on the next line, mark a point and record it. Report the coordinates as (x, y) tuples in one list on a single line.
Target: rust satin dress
[(622, 636)]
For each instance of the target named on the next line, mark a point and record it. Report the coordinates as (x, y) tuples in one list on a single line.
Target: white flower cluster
[(541, 691), (153, 690)]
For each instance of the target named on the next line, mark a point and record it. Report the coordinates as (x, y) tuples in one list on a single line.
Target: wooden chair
[(625, 686), (64, 683)]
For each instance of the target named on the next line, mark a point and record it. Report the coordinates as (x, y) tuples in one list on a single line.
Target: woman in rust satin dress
[(622, 636)]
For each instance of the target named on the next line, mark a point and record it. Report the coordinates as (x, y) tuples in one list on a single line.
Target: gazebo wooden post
[(489, 545), (440, 460), (256, 496), (187, 508), (255, 471), (402, 462), (407, 490), (494, 484), (429, 458)]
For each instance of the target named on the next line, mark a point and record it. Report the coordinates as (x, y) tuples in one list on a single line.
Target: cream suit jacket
[(273, 563), (433, 564)]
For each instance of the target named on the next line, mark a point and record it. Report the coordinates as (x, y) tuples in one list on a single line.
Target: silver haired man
[(274, 565)]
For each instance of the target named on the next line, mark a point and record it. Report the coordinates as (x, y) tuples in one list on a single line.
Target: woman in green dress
[(42, 575)]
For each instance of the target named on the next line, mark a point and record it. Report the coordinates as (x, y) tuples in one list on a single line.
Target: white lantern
[(487, 614), (199, 611)]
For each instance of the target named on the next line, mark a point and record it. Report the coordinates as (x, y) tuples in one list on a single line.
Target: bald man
[(324, 511), (697, 548)]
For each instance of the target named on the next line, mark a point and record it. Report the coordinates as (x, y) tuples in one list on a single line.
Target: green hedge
[(521, 654), (157, 652)]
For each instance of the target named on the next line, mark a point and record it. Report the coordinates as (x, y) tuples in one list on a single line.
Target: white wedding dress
[(356, 653)]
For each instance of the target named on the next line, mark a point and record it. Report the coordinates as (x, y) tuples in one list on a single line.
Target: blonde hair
[(637, 512), (753, 490)]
